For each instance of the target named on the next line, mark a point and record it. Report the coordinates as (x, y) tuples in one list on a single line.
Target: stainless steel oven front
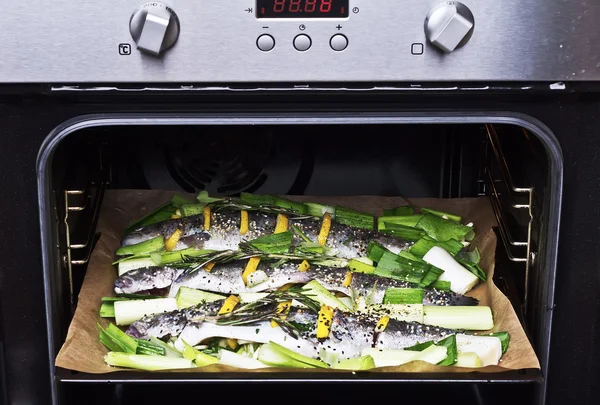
[(115, 95)]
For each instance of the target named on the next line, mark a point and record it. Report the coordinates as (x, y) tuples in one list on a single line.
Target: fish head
[(196, 240), (137, 330), (126, 284)]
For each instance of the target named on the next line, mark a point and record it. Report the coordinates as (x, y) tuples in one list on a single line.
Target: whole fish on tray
[(224, 233), (227, 279), (348, 335)]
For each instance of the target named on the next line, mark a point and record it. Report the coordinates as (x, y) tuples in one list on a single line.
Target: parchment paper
[(83, 352)]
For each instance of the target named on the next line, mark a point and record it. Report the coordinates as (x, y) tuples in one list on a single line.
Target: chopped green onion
[(311, 247), (404, 220), (178, 200), (402, 231), (148, 246), (404, 210), (189, 352), (432, 276), (187, 297), (400, 268), (407, 255), (274, 354), (273, 243), (504, 339), (443, 230), (443, 215), (441, 285), (434, 354), (423, 245), (472, 257), (403, 296), (169, 351), (256, 199), (353, 218), (160, 214), (419, 347), (360, 267), (204, 198), (318, 293), (449, 343), (375, 251), (107, 310), (146, 362), (188, 210), (475, 269), (301, 234), (457, 317), (318, 210), (146, 347), (117, 340), (203, 359), (452, 352), (297, 207), (356, 363)]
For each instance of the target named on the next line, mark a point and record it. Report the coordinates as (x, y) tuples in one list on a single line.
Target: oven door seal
[(533, 125)]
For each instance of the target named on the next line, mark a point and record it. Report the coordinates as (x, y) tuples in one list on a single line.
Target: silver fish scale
[(188, 225), (404, 334), (227, 278), (350, 242), (172, 323), (363, 284), (144, 279), (224, 233)]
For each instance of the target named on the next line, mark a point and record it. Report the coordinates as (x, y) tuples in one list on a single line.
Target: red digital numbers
[(279, 6), (295, 6), (310, 6), (325, 6)]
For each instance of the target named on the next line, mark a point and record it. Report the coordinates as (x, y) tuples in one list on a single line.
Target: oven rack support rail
[(519, 198)]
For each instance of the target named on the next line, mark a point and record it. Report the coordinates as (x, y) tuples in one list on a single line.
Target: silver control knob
[(154, 27), (449, 25)]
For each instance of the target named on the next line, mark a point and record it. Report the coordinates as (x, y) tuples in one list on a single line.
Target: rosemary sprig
[(237, 204), (265, 309)]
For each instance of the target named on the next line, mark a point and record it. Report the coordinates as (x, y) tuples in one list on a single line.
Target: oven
[(324, 98)]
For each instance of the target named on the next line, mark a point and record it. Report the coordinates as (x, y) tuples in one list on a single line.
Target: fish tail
[(463, 300)]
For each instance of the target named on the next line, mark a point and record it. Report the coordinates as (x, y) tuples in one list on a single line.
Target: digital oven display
[(302, 8)]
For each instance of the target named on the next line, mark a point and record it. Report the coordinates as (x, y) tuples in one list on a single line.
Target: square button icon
[(416, 49), (124, 49)]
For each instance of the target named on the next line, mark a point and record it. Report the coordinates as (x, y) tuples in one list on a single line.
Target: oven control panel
[(298, 41)]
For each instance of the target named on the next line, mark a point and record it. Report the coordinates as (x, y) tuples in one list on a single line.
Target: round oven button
[(265, 42), (338, 42), (302, 42)]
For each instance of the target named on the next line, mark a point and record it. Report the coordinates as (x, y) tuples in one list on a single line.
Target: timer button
[(302, 42), (265, 42), (338, 42)]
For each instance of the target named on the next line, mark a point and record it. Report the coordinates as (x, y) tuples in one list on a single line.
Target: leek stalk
[(403, 296), (148, 246), (458, 317), (146, 362), (353, 218)]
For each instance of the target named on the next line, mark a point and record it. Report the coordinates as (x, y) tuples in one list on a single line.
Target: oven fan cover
[(224, 163)]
